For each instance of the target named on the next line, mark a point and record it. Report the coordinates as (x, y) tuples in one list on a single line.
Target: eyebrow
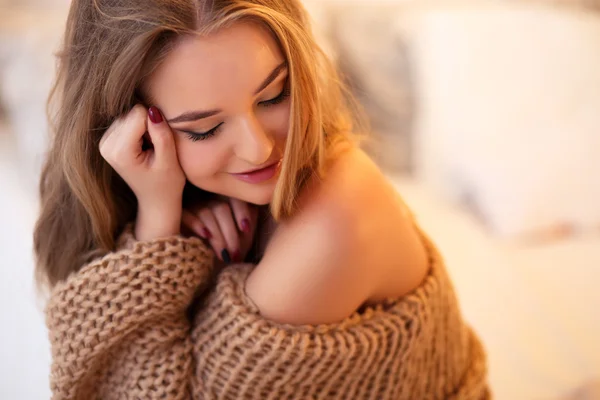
[(193, 116), (276, 72), (196, 115)]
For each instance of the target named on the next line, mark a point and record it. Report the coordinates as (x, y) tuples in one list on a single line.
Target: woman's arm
[(118, 327), (351, 243), (414, 347), (308, 275)]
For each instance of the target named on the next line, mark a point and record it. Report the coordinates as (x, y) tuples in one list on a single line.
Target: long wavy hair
[(110, 47)]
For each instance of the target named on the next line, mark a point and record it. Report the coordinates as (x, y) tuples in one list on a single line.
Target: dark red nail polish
[(155, 115), (206, 233), (245, 225)]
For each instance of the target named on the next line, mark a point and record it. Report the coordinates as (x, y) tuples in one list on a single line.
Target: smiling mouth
[(256, 170), (259, 175)]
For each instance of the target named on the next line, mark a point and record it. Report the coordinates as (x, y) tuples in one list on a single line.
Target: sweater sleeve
[(118, 328), (415, 347)]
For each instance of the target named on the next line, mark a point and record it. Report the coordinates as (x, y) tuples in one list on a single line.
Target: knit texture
[(119, 330), (416, 347)]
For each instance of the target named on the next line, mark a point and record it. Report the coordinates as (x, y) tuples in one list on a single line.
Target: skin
[(351, 242), (223, 72)]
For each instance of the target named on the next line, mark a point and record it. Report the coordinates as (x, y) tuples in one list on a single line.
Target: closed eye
[(195, 136), (285, 93), (281, 97)]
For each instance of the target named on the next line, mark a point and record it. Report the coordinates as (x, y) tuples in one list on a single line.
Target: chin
[(259, 198), (258, 194)]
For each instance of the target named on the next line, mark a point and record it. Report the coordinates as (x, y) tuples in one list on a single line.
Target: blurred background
[(485, 115)]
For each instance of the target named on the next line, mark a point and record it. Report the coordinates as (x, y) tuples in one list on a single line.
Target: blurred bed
[(535, 306)]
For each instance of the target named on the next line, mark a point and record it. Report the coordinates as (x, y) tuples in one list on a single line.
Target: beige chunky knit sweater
[(119, 329)]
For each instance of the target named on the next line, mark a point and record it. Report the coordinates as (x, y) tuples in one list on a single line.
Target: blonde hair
[(110, 48)]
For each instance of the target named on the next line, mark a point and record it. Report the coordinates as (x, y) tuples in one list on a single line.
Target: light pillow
[(509, 112)]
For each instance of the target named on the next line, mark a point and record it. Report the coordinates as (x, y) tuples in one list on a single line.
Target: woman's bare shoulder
[(350, 243), (384, 237)]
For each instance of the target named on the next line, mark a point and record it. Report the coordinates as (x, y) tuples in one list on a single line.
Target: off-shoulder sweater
[(120, 328)]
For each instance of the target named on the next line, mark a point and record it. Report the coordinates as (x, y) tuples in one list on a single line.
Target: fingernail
[(225, 256), (155, 115), (237, 257), (206, 233), (245, 225)]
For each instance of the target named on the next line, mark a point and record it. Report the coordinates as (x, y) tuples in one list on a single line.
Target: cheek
[(277, 121), (199, 160)]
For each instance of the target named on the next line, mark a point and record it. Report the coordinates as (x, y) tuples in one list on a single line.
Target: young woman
[(186, 129)]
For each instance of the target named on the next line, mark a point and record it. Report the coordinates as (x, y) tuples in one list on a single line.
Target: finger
[(127, 138), (217, 240), (244, 215), (191, 222), (121, 142), (108, 136), (102, 145), (161, 138), (228, 227)]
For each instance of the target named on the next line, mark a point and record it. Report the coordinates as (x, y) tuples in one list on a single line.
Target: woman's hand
[(150, 167), (228, 225)]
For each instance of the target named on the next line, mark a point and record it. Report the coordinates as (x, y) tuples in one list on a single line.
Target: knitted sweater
[(119, 329)]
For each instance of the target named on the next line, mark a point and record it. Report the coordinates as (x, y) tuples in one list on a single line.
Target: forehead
[(204, 71)]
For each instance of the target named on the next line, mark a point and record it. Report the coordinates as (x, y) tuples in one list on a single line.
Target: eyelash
[(195, 136), (285, 93)]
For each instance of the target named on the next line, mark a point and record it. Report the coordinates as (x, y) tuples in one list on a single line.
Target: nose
[(254, 145)]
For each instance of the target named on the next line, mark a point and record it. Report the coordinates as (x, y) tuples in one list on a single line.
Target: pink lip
[(259, 175)]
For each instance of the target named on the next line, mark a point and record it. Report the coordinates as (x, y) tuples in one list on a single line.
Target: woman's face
[(226, 98)]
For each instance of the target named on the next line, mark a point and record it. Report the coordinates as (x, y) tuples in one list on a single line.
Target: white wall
[(28, 38), (24, 347)]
